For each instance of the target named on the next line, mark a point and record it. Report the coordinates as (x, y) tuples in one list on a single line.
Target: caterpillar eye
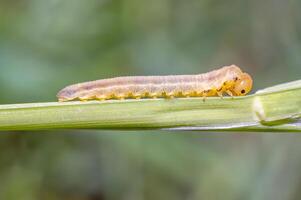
[(242, 91)]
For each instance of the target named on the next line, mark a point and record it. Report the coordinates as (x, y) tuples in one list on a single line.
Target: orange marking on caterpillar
[(228, 79)]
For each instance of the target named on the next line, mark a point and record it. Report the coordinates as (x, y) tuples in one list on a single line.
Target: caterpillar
[(228, 79)]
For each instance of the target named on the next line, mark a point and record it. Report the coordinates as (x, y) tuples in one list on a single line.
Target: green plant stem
[(273, 109)]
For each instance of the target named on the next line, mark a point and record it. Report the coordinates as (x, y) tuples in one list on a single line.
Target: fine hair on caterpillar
[(228, 79)]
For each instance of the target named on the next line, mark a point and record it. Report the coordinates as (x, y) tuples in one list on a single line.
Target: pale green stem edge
[(276, 108)]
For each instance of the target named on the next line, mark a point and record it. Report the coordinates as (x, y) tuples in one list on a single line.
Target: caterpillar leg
[(204, 97), (85, 98), (153, 95), (220, 94), (186, 94), (136, 95), (100, 98), (229, 93), (120, 97), (169, 95), (179, 94), (206, 93)]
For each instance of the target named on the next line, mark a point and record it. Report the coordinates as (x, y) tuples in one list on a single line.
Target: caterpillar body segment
[(229, 79)]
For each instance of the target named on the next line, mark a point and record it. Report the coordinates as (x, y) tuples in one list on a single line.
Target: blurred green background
[(48, 44)]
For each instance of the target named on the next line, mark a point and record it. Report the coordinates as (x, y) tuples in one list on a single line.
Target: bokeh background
[(48, 44)]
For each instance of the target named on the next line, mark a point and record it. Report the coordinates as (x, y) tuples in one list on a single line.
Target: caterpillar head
[(243, 85)]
